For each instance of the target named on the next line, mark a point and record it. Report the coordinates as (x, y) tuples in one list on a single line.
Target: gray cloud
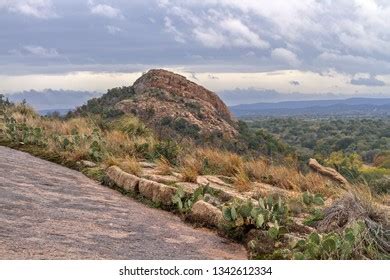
[(370, 82), (220, 35), (295, 83)]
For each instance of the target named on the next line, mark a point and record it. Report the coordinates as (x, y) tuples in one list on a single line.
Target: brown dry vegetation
[(126, 140)]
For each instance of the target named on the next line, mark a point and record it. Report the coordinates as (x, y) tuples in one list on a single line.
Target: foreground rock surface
[(51, 212)]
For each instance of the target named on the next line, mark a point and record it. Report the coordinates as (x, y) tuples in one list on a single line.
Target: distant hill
[(346, 107), (53, 100)]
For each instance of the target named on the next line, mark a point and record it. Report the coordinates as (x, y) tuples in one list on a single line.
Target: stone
[(206, 214), (327, 172), (88, 164), (156, 192), (163, 179), (124, 180)]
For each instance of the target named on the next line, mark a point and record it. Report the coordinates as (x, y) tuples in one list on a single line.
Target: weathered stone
[(189, 188), (122, 179), (206, 214), (163, 179), (156, 192), (88, 164), (145, 164), (327, 171)]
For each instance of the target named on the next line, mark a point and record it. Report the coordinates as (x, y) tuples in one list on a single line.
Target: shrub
[(168, 150)]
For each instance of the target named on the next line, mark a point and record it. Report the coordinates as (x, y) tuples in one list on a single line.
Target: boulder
[(124, 180), (156, 192), (205, 214)]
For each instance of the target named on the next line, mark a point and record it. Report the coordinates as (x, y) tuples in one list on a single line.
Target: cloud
[(240, 34), (37, 51), (113, 29), (179, 37), (369, 82), (285, 56), (359, 30), (105, 10), (295, 83), (229, 33), (41, 51), (42, 9)]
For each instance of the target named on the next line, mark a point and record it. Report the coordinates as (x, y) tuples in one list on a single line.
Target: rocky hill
[(169, 102)]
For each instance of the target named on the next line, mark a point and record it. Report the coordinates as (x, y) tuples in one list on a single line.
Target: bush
[(168, 150)]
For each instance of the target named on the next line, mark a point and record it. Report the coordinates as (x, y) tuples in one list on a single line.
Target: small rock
[(88, 164)]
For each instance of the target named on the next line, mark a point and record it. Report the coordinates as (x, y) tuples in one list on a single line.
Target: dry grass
[(217, 162), (164, 167), (131, 165), (256, 169), (284, 177), (315, 183), (241, 181), (190, 169), (118, 143)]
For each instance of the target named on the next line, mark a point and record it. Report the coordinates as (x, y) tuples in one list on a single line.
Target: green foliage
[(131, 126), (184, 202), (104, 106), (260, 142), (315, 216), (310, 199), (168, 150), (319, 137), (21, 133), (352, 243), (269, 214)]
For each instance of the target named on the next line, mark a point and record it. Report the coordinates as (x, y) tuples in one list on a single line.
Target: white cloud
[(354, 30), (113, 29), (105, 10), (209, 37), (179, 37), (285, 56), (42, 9), (37, 51), (241, 35)]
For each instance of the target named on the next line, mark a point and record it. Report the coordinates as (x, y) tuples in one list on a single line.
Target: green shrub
[(168, 150)]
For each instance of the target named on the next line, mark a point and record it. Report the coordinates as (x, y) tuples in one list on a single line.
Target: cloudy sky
[(311, 47)]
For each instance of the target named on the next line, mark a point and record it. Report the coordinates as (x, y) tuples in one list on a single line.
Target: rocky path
[(51, 212)]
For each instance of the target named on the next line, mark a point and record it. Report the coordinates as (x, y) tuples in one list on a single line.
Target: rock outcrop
[(163, 98)]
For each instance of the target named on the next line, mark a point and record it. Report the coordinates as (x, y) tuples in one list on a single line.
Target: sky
[(291, 47)]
